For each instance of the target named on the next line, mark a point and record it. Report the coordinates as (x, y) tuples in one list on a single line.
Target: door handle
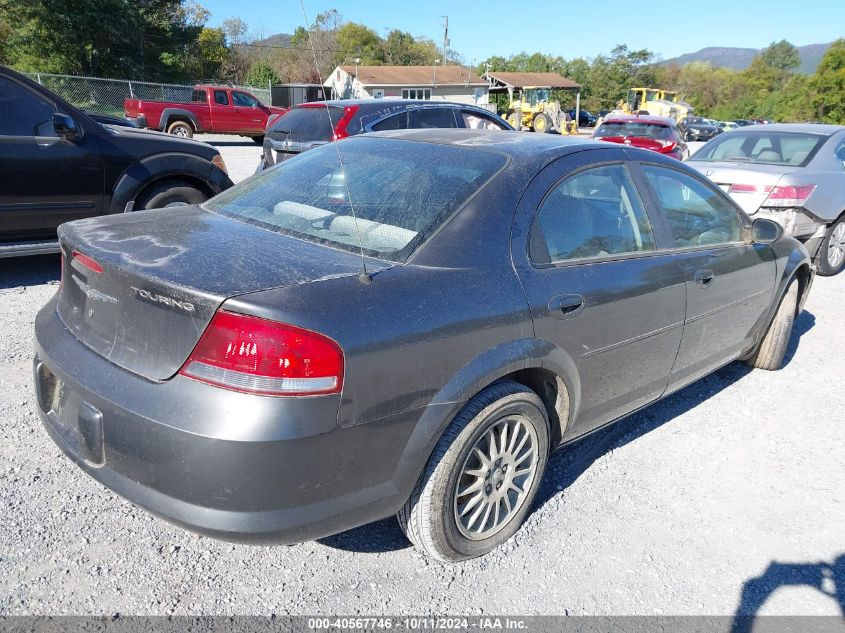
[(704, 277), (566, 306)]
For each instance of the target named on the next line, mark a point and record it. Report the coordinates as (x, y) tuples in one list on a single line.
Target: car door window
[(697, 214), (594, 213), (244, 100), (221, 98), (397, 122), (199, 96), (24, 113), (477, 121), (431, 117)]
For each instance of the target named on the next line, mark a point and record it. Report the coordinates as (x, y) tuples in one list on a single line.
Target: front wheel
[(831, 256), (170, 193), (482, 477)]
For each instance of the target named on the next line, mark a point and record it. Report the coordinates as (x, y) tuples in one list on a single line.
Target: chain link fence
[(94, 94)]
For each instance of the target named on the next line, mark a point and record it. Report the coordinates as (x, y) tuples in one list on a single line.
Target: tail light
[(667, 146), (89, 263), (254, 355), (737, 188), (340, 130), (789, 195)]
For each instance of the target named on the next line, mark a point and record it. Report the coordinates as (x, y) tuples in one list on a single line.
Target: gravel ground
[(240, 154), (737, 478)]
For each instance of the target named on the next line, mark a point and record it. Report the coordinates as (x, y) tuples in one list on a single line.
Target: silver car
[(791, 173)]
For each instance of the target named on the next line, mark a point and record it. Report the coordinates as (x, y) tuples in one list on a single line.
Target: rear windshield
[(648, 130), (307, 124), (401, 192), (765, 148)]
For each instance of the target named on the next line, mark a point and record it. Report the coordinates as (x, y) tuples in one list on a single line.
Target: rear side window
[(431, 117), (221, 98), (199, 96), (595, 213), (401, 192), (24, 113), (476, 121), (697, 215), (397, 122), (308, 124)]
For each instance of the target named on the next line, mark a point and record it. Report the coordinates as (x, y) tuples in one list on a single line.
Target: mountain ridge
[(737, 58)]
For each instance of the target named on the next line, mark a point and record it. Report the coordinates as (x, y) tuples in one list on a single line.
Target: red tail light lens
[(88, 262), (254, 355), (738, 188), (789, 195), (667, 146), (340, 130)]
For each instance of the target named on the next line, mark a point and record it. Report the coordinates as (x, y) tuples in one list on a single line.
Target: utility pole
[(445, 39)]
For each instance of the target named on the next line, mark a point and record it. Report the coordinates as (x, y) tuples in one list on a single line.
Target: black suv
[(58, 164), (310, 124)]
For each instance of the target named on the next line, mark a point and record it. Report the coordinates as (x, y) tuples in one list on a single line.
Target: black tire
[(835, 231), (430, 516), (515, 120), (772, 349), (181, 128), (169, 193), (542, 123), (258, 140)]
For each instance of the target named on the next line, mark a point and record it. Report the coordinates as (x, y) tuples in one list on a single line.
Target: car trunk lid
[(748, 184), (140, 288)]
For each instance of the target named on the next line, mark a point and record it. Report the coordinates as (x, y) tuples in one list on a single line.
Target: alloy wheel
[(496, 477), (836, 246)]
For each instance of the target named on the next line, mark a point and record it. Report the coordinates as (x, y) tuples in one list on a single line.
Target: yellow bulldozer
[(656, 101), (532, 108)]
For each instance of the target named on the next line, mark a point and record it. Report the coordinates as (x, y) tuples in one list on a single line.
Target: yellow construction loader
[(656, 101), (532, 108)]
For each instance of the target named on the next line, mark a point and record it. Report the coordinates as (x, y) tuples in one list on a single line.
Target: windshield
[(768, 148), (401, 192), (640, 129)]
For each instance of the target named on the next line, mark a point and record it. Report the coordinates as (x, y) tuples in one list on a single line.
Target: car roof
[(379, 104), (633, 118), (532, 150), (822, 129)]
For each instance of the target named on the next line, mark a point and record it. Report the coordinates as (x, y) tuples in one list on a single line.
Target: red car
[(656, 133), (218, 109)]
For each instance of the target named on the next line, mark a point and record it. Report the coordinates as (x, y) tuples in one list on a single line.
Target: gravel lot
[(737, 478), (240, 154)]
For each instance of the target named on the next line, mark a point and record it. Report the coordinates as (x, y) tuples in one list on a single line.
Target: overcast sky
[(482, 28)]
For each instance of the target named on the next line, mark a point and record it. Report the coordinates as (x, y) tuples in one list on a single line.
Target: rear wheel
[(171, 193), (772, 348), (514, 120), (831, 256), (181, 128), (481, 478), (542, 123)]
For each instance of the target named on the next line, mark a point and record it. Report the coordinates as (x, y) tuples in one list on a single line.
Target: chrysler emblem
[(94, 295)]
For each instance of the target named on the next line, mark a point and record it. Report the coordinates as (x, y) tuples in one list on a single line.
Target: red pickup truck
[(218, 109)]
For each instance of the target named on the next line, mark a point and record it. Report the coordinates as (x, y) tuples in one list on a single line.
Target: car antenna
[(365, 277)]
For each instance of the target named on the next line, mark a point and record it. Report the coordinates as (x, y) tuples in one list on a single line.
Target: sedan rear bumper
[(233, 466)]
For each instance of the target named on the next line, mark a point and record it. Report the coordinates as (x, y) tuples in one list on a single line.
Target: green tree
[(781, 55), (828, 85), (260, 74), (358, 41)]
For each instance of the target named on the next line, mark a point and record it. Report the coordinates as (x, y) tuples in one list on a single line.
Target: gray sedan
[(235, 368), (791, 173)]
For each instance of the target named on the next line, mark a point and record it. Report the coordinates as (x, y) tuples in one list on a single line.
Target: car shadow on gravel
[(566, 466), (34, 270), (827, 578)]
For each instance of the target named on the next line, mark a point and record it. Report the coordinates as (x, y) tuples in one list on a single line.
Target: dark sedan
[(696, 128), (400, 323)]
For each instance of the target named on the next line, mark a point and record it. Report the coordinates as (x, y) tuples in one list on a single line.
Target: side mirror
[(64, 126), (765, 231)]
